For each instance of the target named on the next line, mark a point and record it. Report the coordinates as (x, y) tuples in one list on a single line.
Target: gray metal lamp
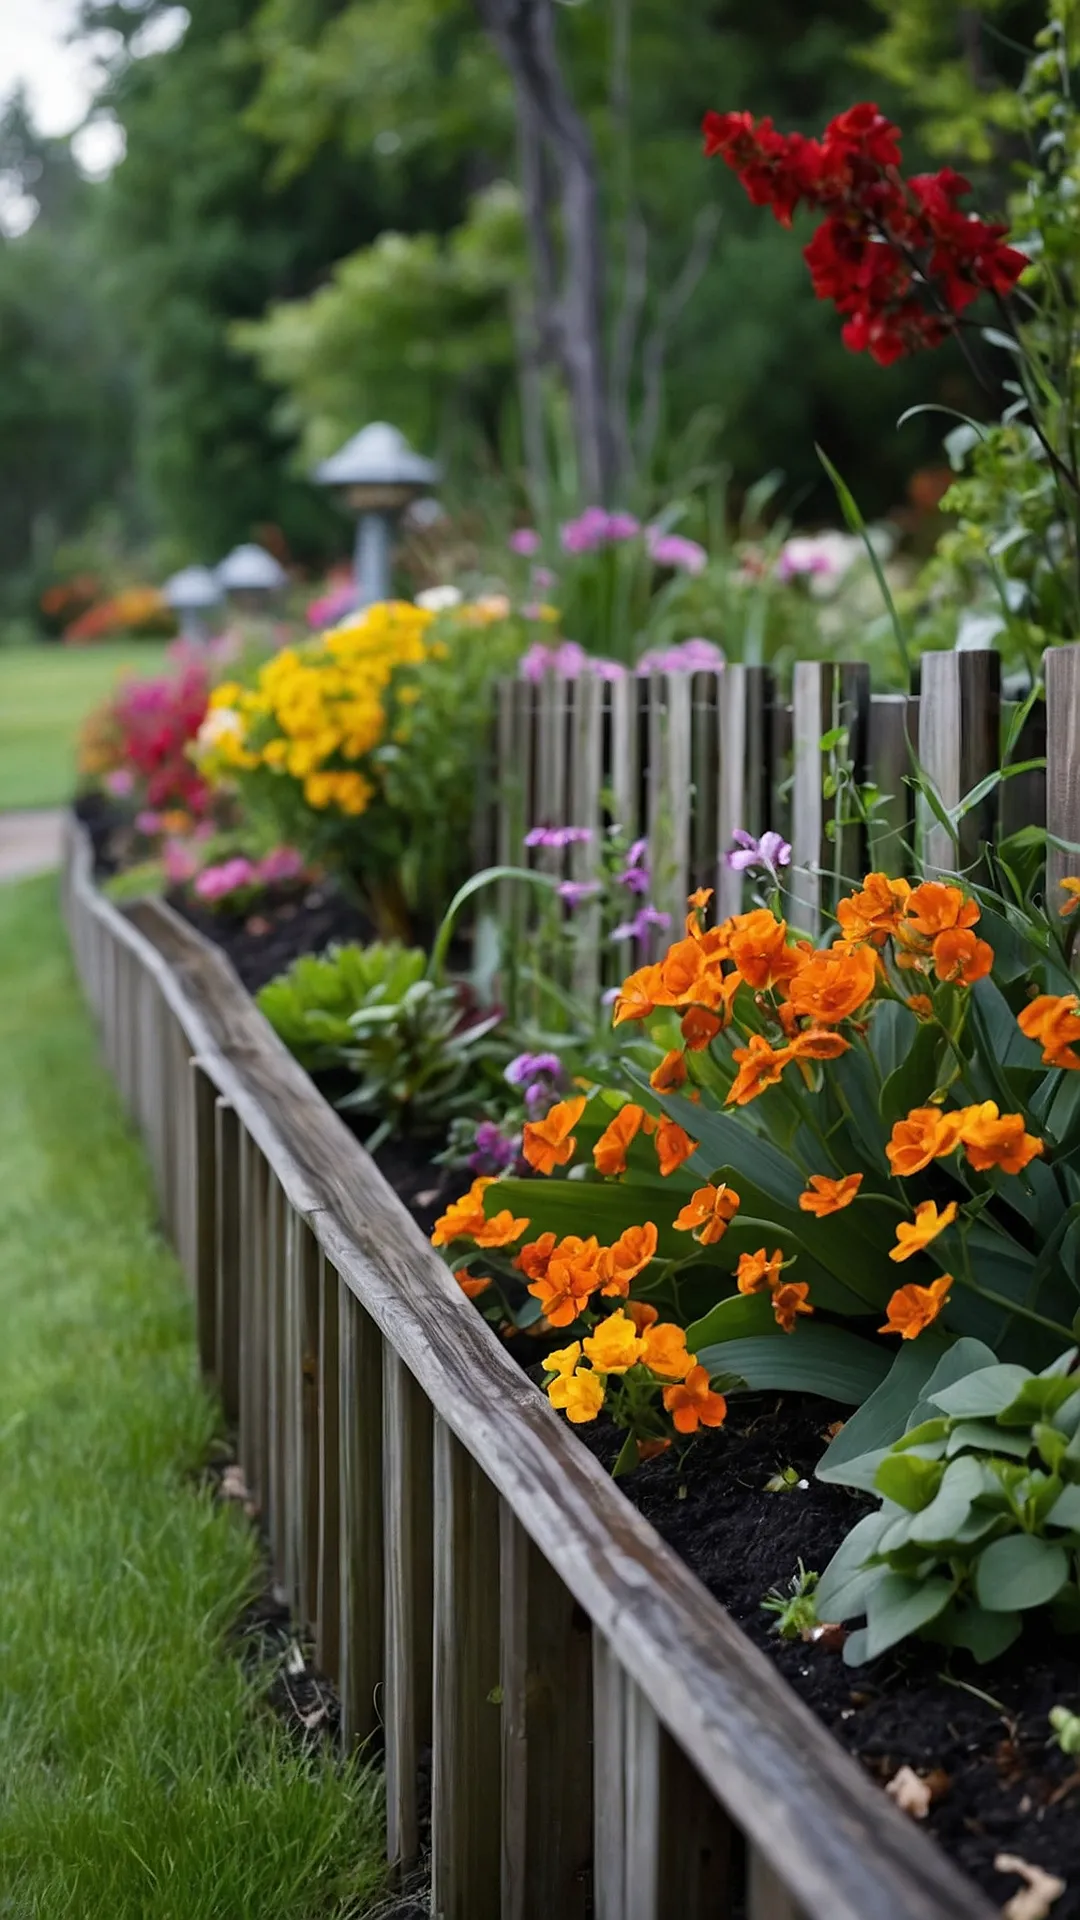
[(376, 475), (250, 577), (192, 594)]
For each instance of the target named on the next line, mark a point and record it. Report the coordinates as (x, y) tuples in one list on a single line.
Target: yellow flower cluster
[(318, 707)]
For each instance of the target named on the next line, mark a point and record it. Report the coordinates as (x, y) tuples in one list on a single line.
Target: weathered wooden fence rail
[(603, 1738)]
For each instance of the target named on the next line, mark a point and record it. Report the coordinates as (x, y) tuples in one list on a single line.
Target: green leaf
[(850, 510), (1065, 1511), (916, 1077), (943, 1518), (899, 1606), (984, 1635), (847, 1579), (908, 1480), (981, 1393), (734, 1319), (1038, 1399), (1020, 1571), (814, 1359), (884, 1416), (985, 1437)]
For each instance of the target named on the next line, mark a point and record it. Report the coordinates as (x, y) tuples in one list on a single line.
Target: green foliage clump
[(310, 1007), (979, 1523)]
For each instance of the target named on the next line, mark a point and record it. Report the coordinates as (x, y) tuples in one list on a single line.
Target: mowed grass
[(141, 1777), (46, 693)]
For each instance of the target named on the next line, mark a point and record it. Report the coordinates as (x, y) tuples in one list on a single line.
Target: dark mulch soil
[(1003, 1787), (262, 944)]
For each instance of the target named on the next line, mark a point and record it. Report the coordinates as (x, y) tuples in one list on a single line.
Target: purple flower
[(586, 533), (284, 863), (539, 1097), (674, 550), (771, 851), (558, 836), (548, 1063), (638, 927), (541, 1070), (120, 782), (609, 670), (567, 659), (525, 540), (543, 578), (576, 892), (635, 874), (622, 526), (699, 655), (492, 1151), (148, 823), (519, 1070), (214, 883), (179, 862)]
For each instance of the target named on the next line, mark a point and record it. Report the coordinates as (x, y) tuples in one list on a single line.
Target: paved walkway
[(30, 842)]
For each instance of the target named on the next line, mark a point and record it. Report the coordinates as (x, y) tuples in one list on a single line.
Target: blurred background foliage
[(317, 222)]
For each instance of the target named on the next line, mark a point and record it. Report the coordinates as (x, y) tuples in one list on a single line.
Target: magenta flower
[(283, 863), (178, 862), (610, 670), (585, 534), (148, 823), (622, 526), (771, 852), (492, 1151), (558, 836), (214, 883), (543, 578), (527, 1067), (635, 874), (120, 782), (674, 550), (567, 659), (525, 540), (576, 892), (638, 927)]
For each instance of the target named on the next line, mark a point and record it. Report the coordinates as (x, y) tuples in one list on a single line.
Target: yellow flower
[(614, 1346), (580, 1395), (913, 1236), (564, 1359)]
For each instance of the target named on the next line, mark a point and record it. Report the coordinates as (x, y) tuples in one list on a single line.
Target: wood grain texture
[(408, 1601), (1062, 668), (743, 797), (547, 1796), (328, 1622), (360, 1401), (890, 750), (466, 1775), (825, 696), (782, 1779), (959, 743), (227, 1257), (586, 781), (305, 1256), (767, 1896), (204, 1099)]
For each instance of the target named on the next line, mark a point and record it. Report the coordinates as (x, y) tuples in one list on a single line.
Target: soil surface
[(263, 943), (979, 1736)]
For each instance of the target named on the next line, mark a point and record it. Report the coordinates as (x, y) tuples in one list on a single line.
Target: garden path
[(30, 842)]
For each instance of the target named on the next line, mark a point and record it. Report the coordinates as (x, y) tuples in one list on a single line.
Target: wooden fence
[(603, 1739), (686, 759)]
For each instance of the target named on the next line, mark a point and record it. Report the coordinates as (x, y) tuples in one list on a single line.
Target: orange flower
[(824, 1195), (636, 998), (642, 1314), (958, 955), (471, 1286), (833, 982), (926, 1134), (997, 1140), (817, 1043), (685, 974), (500, 1230), (651, 1449), (698, 1027), (464, 1216), (875, 911), (760, 1066), (546, 1144), (708, 1214), (614, 1346), (913, 1236), (609, 1153), (628, 1257), (564, 1290), (694, 1403), (921, 1005), (579, 1394), (673, 1146), (759, 1272), (533, 1259), (1072, 888), (1052, 1019), (935, 908), (788, 1302), (913, 1308), (758, 946), (671, 1073), (663, 1349), (699, 900)]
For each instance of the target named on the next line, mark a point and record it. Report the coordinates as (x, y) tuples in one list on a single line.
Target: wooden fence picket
[(959, 744), (1062, 667)]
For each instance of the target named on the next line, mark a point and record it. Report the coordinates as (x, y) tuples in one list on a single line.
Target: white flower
[(439, 599), (221, 723)]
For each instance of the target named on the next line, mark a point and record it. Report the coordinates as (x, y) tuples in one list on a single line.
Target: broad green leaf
[(909, 1480), (944, 1516), (1020, 1571), (1012, 952), (603, 1207), (899, 1606), (814, 1359), (734, 1319), (847, 1579), (884, 1416), (1037, 1399), (984, 1635), (892, 1031), (981, 1393), (1065, 1511), (917, 1076), (985, 1437)]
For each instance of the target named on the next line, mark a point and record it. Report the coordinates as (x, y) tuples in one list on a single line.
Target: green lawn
[(45, 694), (140, 1776)]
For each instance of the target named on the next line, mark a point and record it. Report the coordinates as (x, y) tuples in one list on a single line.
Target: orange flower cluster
[(564, 1274), (633, 1337), (930, 926), (708, 1214), (1053, 1020), (912, 1308), (763, 1273), (673, 1144), (989, 1139), (465, 1219)]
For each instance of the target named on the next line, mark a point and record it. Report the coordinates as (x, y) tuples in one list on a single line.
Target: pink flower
[(148, 823), (214, 883), (771, 851), (543, 578), (674, 550), (525, 540), (609, 670), (638, 927), (179, 862), (622, 526), (558, 836), (586, 533), (120, 782), (284, 863), (576, 892)]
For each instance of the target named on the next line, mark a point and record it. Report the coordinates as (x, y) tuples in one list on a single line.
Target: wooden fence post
[(465, 1818), (586, 780), (328, 1622), (227, 1258), (825, 697), (1062, 666), (408, 1536), (360, 1402), (669, 791), (959, 743), (893, 739), (205, 1219), (743, 787), (546, 1651), (304, 1255)]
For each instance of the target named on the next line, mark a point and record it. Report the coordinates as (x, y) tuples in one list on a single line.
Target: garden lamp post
[(251, 577), (376, 475), (192, 594)]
